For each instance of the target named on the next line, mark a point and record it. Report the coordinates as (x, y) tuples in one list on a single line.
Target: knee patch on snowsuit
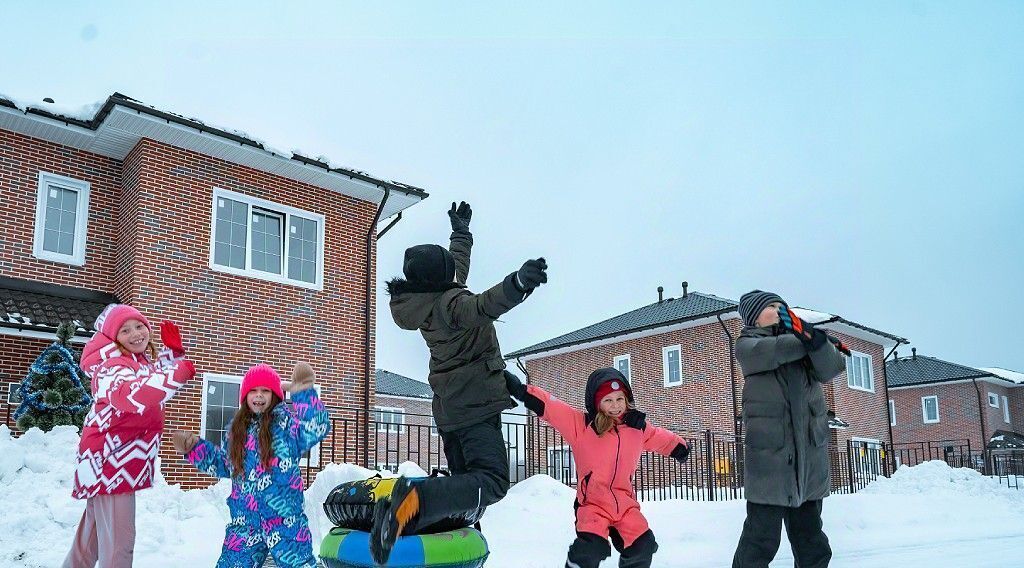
[(640, 553), (587, 551)]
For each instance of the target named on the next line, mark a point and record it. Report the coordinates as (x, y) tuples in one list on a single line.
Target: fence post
[(849, 463), (709, 464)]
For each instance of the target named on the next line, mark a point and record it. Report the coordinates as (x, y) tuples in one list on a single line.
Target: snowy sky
[(860, 161)]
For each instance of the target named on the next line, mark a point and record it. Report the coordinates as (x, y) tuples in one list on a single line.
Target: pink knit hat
[(113, 317), (260, 376)]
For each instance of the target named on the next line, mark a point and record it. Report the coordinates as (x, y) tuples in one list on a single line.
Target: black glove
[(811, 338), (634, 419), (460, 217), (680, 453), (515, 387), (532, 274)]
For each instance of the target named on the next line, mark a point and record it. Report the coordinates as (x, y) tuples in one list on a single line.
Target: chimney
[(685, 285), (661, 294), (914, 351), (47, 100), (895, 355)]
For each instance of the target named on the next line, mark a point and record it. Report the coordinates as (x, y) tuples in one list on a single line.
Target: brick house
[(678, 356), (936, 400), (404, 423), (259, 255)]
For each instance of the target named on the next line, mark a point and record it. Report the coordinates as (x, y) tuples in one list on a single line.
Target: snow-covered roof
[(38, 307), (113, 127), (1005, 373)]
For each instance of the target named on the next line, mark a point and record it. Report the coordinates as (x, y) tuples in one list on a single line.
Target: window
[(62, 210), (389, 420), (219, 405), (13, 397), (257, 238), (1006, 410), (561, 465), (433, 427), (892, 413), (930, 409), (859, 372), (672, 362), (622, 364), (993, 400)]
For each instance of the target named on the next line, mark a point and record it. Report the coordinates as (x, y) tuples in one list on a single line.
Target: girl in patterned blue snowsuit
[(261, 457)]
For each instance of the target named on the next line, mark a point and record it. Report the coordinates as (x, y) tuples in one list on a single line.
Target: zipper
[(586, 486), (618, 445)]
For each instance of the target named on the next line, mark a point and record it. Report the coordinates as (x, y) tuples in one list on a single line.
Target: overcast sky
[(863, 159)]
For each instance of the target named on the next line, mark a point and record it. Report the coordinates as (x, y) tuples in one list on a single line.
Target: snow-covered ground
[(929, 515)]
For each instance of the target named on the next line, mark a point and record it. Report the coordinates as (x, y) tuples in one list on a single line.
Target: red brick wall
[(149, 244), (704, 400), (415, 443), (16, 355), (867, 412), (21, 160), (958, 414)]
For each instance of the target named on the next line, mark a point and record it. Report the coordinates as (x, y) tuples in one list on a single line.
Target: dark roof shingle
[(38, 306), (921, 370), (692, 306), (393, 384)]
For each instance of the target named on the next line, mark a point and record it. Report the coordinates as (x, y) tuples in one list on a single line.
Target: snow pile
[(937, 479), (84, 112), (1005, 373)]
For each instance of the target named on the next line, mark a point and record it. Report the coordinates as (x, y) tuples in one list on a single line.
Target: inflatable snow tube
[(350, 505), (461, 548)]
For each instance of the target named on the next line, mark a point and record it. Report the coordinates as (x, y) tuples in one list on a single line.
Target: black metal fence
[(714, 472)]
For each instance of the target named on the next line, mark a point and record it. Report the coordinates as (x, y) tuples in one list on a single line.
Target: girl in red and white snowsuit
[(607, 442), (121, 435)]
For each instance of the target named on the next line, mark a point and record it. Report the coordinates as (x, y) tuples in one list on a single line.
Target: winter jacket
[(604, 464), (266, 504), (466, 366), (121, 434), (785, 416)]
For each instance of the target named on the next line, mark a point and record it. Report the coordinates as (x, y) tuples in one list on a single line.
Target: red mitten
[(185, 371), (171, 336)]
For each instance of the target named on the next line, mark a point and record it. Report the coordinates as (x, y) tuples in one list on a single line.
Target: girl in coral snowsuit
[(266, 442), (607, 442)]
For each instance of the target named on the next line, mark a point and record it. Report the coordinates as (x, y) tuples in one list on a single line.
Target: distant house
[(404, 423), (260, 255), (936, 400), (678, 354)]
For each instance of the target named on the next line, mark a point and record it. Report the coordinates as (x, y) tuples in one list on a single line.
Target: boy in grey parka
[(785, 361)]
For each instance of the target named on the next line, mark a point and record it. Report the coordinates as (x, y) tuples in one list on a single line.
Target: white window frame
[(993, 399), (433, 426), (892, 412), (287, 213), (12, 389), (924, 410), (565, 456), (390, 427), (1006, 410), (314, 452), (207, 377), (665, 365), (871, 371), (629, 362), (77, 256)]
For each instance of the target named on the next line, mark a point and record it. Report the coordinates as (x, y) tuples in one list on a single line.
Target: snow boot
[(390, 517)]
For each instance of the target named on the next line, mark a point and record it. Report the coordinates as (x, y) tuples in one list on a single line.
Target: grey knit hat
[(753, 302)]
